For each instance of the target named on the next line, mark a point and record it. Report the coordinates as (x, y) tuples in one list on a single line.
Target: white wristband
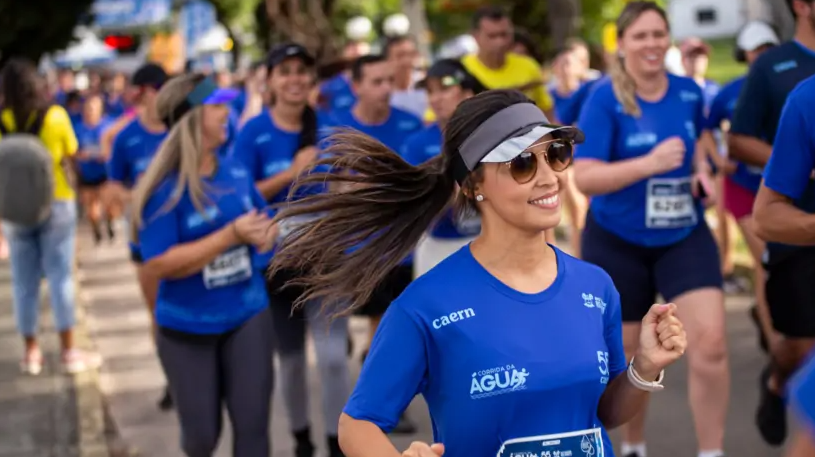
[(649, 386)]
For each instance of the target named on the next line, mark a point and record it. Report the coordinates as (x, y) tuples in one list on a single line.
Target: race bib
[(229, 268), (670, 203), (93, 151), (286, 226), (584, 443), (467, 222)]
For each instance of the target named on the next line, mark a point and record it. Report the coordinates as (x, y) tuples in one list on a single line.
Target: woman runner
[(646, 177), (510, 341), (198, 221)]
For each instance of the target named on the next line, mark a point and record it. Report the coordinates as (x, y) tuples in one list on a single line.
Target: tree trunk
[(309, 26), (419, 30), (564, 20)]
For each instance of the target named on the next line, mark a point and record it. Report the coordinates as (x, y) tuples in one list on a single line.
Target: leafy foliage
[(33, 28)]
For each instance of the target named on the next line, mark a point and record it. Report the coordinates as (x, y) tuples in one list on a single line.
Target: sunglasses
[(558, 154)]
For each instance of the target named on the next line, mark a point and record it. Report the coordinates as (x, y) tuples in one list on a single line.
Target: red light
[(119, 41)]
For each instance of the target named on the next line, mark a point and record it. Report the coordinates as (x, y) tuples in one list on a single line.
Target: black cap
[(451, 72), (149, 75), (284, 51)]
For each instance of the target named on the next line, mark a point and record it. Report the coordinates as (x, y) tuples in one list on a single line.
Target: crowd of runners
[(264, 211)]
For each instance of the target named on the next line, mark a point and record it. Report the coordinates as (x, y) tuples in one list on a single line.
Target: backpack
[(26, 175)]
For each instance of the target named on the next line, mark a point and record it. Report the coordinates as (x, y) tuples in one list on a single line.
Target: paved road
[(132, 381)]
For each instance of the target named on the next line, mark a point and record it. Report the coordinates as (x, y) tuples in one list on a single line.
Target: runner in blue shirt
[(788, 192), (647, 180), (752, 139), (91, 172), (199, 221), (515, 345), (371, 114), (447, 83), (276, 146), (802, 398), (133, 149), (741, 181)]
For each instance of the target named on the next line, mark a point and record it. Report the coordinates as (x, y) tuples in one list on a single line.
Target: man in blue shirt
[(752, 139), (372, 114), (785, 213)]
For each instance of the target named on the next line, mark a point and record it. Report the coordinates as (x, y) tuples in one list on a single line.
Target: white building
[(708, 19)]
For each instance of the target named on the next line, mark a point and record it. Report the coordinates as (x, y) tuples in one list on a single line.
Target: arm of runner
[(786, 178), (384, 389), (743, 141)]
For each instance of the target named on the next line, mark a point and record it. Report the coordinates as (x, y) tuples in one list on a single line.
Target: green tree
[(33, 28)]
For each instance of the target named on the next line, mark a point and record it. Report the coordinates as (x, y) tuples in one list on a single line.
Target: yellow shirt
[(59, 138), (518, 71)]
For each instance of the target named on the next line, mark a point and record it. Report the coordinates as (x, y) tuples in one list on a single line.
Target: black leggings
[(234, 370)]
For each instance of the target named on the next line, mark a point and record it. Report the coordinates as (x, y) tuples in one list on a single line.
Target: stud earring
[(479, 198)]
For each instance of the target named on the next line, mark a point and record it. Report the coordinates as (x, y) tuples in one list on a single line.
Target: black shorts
[(90, 183), (791, 295), (640, 272), (388, 290), (280, 294), (135, 255)]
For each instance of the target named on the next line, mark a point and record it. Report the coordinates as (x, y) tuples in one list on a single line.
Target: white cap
[(754, 35)]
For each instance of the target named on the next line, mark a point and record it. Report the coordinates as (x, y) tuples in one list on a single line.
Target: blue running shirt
[(228, 291), (495, 364), (802, 394), (660, 210)]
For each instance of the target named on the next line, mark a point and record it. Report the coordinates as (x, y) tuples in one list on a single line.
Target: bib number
[(286, 226), (467, 222), (583, 443), (670, 204), (228, 268)]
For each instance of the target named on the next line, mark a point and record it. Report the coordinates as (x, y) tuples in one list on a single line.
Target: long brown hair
[(623, 84), (366, 231), (22, 91)]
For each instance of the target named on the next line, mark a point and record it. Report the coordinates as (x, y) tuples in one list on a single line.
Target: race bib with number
[(583, 443), (286, 226), (229, 268), (670, 203), (467, 222)]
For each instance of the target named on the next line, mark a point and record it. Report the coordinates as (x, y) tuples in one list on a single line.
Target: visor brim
[(513, 147), (221, 96)]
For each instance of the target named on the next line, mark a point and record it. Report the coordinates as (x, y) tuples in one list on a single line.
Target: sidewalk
[(51, 415)]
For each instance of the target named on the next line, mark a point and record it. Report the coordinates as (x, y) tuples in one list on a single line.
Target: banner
[(117, 14)]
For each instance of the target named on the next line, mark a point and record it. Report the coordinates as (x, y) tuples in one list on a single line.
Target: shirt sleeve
[(385, 388), (159, 230), (60, 122), (599, 120), (791, 161), (614, 335), (753, 105), (117, 164)]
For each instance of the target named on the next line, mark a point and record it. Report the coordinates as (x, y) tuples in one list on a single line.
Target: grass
[(723, 67)]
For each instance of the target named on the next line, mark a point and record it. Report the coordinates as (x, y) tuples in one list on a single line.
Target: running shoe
[(32, 363), (78, 361), (771, 417)]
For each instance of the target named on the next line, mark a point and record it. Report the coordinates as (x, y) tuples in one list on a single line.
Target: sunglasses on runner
[(516, 136), (558, 154)]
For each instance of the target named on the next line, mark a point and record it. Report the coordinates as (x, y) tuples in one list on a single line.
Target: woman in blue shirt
[(448, 83), (276, 146), (91, 174), (646, 178), (200, 221), (510, 341)]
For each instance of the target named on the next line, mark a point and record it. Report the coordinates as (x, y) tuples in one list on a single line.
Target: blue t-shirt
[(793, 159), (563, 103), (114, 107), (570, 112), (660, 210), (722, 109), (91, 169), (337, 94), (770, 79), (133, 149), (228, 291), (495, 364), (710, 90), (421, 147), (802, 394)]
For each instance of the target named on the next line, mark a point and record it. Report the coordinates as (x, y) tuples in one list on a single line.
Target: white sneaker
[(32, 363), (77, 361)]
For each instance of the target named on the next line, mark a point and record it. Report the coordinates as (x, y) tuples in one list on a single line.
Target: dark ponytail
[(365, 231)]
